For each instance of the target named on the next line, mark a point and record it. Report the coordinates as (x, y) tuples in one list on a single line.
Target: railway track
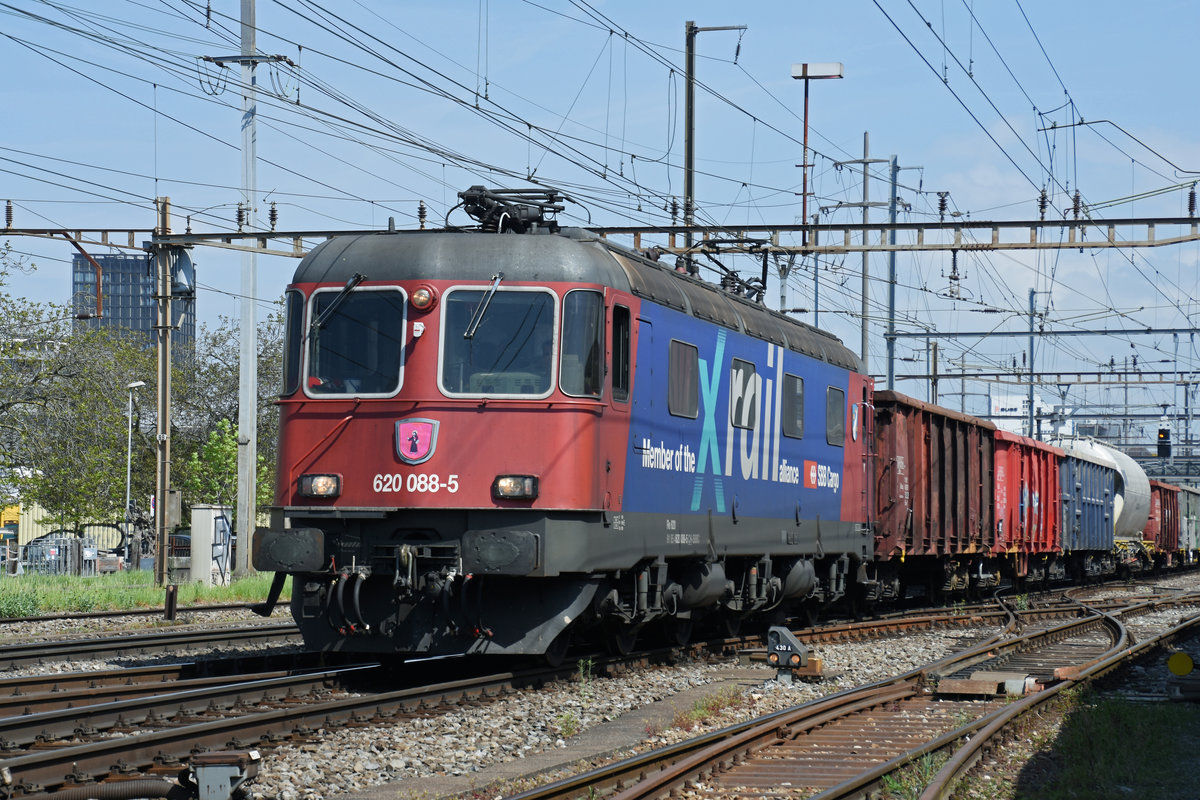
[(23, 654), (845, 745), (64, 734), (129, 612), (107, 742), (95, 732)]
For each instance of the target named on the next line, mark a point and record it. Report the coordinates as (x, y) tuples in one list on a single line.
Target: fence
[(60, 553)]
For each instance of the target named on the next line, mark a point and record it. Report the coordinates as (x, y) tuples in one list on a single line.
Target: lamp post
[(807, 72), (129, 464)]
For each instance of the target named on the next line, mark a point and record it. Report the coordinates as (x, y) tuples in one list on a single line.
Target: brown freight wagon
[(1162, 527), (933, 488)]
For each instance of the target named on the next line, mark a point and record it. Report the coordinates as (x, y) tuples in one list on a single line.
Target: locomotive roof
[(572, 256)]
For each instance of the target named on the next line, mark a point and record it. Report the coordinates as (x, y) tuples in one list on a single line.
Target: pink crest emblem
[(416, 439)]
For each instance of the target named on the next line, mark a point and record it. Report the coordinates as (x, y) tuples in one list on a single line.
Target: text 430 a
[(414, 482)]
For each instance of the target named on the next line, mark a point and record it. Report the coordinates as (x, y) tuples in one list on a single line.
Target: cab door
[(620, 348)]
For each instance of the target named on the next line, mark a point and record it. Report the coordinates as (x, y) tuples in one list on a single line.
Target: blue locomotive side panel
[(1088, 491), (730, 424)]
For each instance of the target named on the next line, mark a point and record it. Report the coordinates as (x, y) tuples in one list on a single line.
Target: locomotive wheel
[(556, 653), (809, 614), (620, 640), (678, 630), (730, 623)]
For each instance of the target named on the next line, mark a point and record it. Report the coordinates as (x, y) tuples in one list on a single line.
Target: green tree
[(63, 410), (62, 407), (70, 440), (210, 473), (30, 335), (207, 397)]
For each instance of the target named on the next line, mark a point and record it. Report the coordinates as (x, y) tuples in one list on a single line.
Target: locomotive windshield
[(356, 349), (511, 351)]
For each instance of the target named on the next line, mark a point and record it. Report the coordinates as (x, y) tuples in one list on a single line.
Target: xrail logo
[(709, 451)]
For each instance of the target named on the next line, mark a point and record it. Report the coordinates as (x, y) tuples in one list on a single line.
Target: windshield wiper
[(324, 316), (477, 317)]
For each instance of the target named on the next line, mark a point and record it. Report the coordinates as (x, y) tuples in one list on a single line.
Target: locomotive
[(498, 440)]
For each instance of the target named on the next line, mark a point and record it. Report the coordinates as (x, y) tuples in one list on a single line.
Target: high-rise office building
[(127, 291)]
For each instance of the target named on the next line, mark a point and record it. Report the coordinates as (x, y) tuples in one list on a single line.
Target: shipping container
[(933, 479)]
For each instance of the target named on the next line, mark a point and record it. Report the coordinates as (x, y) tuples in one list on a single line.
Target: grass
[(707, 707), (1104, 749), (1114, 748), (584, 677), (909, 782), (568, 724), (30, 595)]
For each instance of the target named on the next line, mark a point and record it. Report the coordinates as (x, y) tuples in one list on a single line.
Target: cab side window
[(581, 364), (293, 338), (683, 380), (835, 417), (743, 394), (621, 327), (791, 417)]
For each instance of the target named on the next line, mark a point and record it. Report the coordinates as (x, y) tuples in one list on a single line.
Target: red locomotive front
[(386, 408)]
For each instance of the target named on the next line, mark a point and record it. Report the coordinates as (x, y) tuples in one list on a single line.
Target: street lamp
[(129, 465), (807, 72)]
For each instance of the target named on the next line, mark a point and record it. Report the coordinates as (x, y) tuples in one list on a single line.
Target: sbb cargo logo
[(820, 476)]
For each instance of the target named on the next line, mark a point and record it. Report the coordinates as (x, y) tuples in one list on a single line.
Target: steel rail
[(133, 712), (109, 691), (952, 772), (159, 749), (16, 688), (687, 760), (127, 612), (14, 656)]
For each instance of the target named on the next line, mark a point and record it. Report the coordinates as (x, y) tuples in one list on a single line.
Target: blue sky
[(391, 103)]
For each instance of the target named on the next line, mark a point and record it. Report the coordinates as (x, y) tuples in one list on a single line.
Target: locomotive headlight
[(422, 298), (320, 485), (515, 487)]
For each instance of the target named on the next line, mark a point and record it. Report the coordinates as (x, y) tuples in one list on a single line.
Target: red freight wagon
[(933, 479), (1027, 499), (1162, 528)]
